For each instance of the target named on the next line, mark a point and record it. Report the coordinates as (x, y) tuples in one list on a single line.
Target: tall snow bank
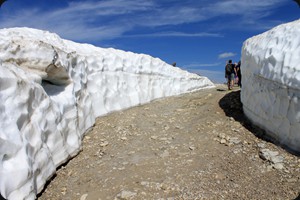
[(271, 82), (51, 91)]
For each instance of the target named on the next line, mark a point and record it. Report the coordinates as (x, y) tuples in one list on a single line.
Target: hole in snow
[(56, 80), (57, 75), (52, 89)]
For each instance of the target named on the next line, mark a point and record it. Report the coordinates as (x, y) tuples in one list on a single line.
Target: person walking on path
[(229, 74), (239, 75), (235, 73)]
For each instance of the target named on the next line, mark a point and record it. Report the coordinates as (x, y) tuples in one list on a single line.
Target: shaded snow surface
[(271, 82), (51, 91)]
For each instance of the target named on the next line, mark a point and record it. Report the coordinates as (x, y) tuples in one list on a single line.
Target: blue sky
[(199, 35)]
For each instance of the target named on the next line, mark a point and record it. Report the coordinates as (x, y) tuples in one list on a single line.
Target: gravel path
[(193, 146)]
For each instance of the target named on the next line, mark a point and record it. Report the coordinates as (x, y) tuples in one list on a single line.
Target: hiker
[(229, 74), (236, 79), (239, 75)]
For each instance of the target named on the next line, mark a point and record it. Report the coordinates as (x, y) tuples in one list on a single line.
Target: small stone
[(223, 141), (261, 145), (278, 166), (64, 191), (163, 139), (144, 183), (234, 140), (124, 195), (131, 152), (267, 154), (124, 138), (277, 159), (269, 168), (104, 144), (83, 197), (70, 173), (222, 135), (192, 148), (164, 186), (236, 151), (165, 154), (220, 176), (292, 180), (154, 137)]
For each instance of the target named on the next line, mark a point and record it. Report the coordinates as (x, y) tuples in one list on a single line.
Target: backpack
[(228, 68)]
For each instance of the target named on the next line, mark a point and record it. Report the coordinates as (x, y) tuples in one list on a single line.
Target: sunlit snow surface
[(271, 82), (51, 91)]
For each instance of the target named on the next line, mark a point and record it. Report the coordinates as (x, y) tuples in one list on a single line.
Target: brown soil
[(192, 146)]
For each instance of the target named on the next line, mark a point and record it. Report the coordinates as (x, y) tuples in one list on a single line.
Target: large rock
[(51, 91), (271, 82)]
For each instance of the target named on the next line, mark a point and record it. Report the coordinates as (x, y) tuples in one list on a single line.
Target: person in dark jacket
[(229, 74), (239, 75)]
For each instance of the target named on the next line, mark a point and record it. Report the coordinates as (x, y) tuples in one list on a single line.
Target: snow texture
[(51, 91), (271, 82)]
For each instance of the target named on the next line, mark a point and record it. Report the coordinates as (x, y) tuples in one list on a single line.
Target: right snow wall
[(271, 83)]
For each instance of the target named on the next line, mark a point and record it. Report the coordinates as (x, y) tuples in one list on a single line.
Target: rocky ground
[(193, 146)]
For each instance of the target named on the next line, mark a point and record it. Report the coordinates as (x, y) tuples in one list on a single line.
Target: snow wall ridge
[(53, 89)]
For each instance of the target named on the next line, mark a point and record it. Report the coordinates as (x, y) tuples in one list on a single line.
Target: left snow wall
[(51, 91)]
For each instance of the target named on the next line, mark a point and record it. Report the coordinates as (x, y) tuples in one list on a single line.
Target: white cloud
[(226, 55), (251, 14), (107, 19), (246, 8), (196, 65), (177, 34), (108, 7)]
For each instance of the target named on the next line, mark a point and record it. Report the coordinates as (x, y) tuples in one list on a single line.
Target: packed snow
[(51, 91), (271, 82)]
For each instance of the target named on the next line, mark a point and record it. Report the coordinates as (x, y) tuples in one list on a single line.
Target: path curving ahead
[(193, 146)]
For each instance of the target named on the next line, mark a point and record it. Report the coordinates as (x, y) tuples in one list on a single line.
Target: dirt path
[(193, 146)]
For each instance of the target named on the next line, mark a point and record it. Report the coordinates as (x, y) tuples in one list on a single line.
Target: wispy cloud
[(251, 9), (251, 14), (226, 55), (197, 65), (108, 19), (177, 34)]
